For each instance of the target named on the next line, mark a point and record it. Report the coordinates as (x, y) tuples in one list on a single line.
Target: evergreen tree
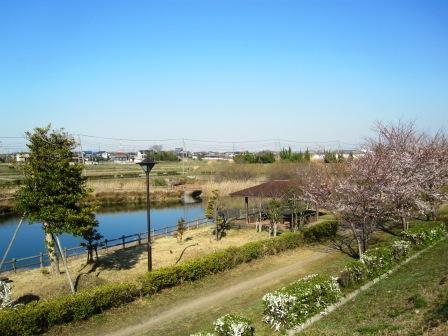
[(54, 192)]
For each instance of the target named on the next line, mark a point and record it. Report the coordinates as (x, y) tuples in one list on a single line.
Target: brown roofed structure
[(275, 189)]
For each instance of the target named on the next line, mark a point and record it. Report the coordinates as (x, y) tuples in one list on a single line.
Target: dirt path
[(208, 301)]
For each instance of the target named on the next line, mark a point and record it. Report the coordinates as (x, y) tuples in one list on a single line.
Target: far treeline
[(287, 155)]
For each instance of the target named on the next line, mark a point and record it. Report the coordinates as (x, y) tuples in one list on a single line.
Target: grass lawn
[(201, 311), (129, 263), (412, 301)]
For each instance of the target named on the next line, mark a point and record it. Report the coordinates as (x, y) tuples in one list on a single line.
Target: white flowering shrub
[(233, 325), (424, 236), (5, 295), (202, 334), (401, 249), (377, 260), (294, 304), (352, 274)]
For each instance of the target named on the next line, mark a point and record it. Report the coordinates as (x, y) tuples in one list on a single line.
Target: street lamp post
[(147, 165)]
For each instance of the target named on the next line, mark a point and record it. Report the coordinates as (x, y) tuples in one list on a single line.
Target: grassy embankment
[(129, 263), (412, 301)]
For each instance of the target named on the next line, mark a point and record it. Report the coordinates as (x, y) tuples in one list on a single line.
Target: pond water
[(112, 224)]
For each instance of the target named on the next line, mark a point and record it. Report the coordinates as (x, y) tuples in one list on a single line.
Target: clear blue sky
[(225, 70)]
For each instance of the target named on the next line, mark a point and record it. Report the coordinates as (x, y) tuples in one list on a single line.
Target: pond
[(113, 223)]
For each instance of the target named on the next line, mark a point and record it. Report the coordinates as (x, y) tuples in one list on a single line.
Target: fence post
[(41, 260), (123, 242), (197, 223), (14, 264), (139, 238)]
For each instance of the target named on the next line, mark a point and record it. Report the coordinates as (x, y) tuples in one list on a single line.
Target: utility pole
[(82, 156), (183, 156)]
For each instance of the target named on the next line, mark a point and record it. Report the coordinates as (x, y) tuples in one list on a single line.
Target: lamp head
[(147, 165)]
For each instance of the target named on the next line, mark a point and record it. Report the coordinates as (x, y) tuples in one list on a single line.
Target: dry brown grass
[(227, 187), (128, 264)]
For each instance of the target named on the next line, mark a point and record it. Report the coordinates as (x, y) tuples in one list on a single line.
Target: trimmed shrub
[(353, 274), (321, 231), (294, 304), (233, 325), (36, 317), (229, 258)]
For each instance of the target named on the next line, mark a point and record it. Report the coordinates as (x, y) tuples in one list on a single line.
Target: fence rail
[(41, 260)]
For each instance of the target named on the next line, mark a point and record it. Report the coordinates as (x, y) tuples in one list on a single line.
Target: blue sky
[(223, 70)]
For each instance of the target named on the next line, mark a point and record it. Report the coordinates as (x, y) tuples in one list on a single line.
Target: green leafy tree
[(162, 155), (219, 217), (274, 213), (294, 203), (244, 158), (181, 228), (289, 155), (54, 192), (307, 155), (265, 157)]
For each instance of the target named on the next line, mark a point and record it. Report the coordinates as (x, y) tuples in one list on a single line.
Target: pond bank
[(131, 199)]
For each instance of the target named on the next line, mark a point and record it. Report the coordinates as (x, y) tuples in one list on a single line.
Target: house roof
[(276, 188)]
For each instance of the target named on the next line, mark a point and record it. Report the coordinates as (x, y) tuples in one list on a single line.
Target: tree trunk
[(52, 255), (360, 250), (64, 260), (404, 223), (275, 229)]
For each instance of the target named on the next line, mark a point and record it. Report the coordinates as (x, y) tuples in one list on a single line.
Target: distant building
[(22, 157), (120, 157)]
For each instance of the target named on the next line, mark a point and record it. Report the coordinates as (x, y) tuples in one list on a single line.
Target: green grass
[(409, 302)]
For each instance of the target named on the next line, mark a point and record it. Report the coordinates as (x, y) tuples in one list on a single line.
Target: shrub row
[(293, 304), (231, 325), (379, 260), (34, 318), (321, 231), (37, 317)]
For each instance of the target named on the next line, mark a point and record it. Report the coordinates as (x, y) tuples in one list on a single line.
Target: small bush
[(401, 249), (321, 231), (418, 301), (353, 274), (378, 260), (159, 182), (424, 236), (233, 325), (294, 304)]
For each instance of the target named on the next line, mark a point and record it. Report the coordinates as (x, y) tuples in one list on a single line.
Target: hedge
[(293, 304), (36, 317), (377, 261), (229, 258)]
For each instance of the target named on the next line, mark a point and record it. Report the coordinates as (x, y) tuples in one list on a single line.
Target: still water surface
[(112, 224)]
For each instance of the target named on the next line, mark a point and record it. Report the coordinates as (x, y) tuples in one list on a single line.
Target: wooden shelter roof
[(276, 189)]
